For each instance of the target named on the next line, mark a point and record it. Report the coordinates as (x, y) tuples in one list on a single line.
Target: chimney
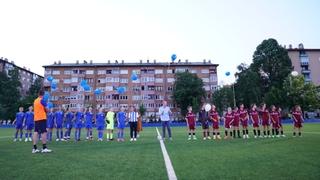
[(85, 62), (55, 62), (91, 61), (284, 46), (77, 62), (290, 46), (300, 46), (154, 61), (122, 61), (116, 61), (209, 61), (59, 62), (148, 61), (187, 61), (108, 61), (179, 61), (204, 61), (12, 62), (140, 61), (1, 58)]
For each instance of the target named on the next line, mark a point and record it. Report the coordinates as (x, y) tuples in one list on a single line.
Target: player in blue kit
[(69, 119), (19, 124), (50, 124), (121, 119), (100, 123), (88, 123), (59, 123), (29, 123), (78, 124)]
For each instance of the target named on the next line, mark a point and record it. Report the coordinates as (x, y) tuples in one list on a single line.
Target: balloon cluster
[(173, 57), (97, 91), (53, 84), (121, 90), (228, 73), (134, 76), (85, 85)]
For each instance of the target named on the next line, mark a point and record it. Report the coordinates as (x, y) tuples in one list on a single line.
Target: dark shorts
[(205, 125), (30, 126), (192, 126), (40, 126)]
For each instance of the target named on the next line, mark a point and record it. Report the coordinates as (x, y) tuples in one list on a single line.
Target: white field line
[(167, 161)]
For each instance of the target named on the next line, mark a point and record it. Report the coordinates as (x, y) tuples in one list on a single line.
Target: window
[(109, 79), (75, 71), (136, 71), (74, 79), (66, 89), (87, 97), (108, 71), (101, 80), (151, 88), (124, 71), (47, 72), (158, 88), (89, 80), (170, 88), (89, 72), (136, 97), (101, 72), (74, 88), (55, 72), (115, 71), (159, 80), (170, 80), (116, 79), (115, 96), (67, 72), (123, 97), (170, 71), (213, 78), (82, 71), (109, 88), (194, 71), (122, 80), (205, 71), (108, 97), (159, 71), (136, 88), (207, 88), (206, 80)]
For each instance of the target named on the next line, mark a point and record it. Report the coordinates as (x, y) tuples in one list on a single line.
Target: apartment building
[(27, 77), (155, 83)]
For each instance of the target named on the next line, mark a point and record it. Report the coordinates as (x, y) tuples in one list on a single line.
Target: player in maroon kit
[(191, 123), (228, 119), (280, 123), (214, 116), (254, 116), (236, 122), (244, 121), (297, 120), (274, 116), (265, 117)]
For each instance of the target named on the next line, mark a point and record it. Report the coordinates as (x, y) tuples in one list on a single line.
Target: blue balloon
[(46, 96), (54, 86), (97, 91), (134, 77), (83, 83), (50, 78), (50, 105), (173, 57), (86, 87), (121, 90), (228, 73)]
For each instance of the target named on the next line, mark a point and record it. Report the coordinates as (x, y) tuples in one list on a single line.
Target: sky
[(34, 33)]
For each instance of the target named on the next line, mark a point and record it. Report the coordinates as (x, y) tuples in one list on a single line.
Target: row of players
[(232, 120), (80, 120), (233, 117)]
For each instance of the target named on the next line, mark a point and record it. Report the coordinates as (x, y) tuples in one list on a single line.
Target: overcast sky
[(38, 32)]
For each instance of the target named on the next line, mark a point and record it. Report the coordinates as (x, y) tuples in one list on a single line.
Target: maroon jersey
[(275, 116), (265, 117), (255, 118), (228, 120), (244, 117), (236, 119), (191, 117), (297, 119), (214, 116)]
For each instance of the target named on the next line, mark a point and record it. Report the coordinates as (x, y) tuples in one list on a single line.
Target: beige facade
[(154, 84), (26, 76), (306, 62)]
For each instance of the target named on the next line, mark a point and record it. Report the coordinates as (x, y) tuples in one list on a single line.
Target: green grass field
[(280, 158)]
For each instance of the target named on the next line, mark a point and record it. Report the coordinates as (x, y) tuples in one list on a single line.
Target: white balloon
[(294, 73), (207, 107)]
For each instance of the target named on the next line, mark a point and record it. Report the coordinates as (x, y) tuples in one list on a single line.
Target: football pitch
[(278, 158)]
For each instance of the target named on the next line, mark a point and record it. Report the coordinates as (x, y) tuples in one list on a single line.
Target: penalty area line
[(167, 161)]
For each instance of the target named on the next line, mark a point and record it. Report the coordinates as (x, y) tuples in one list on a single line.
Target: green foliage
[(142, 110), (32, 93), (223, 98), (9, 93), (188, 90)]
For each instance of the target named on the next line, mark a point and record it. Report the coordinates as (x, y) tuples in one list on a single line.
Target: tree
[(223, 98), (188, 91), (142, 110), (307, 95), (9, 93)]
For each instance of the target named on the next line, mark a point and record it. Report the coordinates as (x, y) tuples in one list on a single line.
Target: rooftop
[(5, 60)]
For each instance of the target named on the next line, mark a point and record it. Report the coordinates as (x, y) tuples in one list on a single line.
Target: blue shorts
[(59, 126), (30, 126), (19, 126), (100, 128), (69, 126), (121, 126), (78, 126), (89, 126)]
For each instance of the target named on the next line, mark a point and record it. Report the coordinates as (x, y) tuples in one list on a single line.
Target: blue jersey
[(29, 116), (69, 117), (19, 118), (59, 117), (100, 119), (79, 117), (121, 118), (89, 116), (50, 119)]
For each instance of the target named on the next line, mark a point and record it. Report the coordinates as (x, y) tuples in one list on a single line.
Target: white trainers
[(30, 139), (269, 136), (62, 139), (278, 136), (87, 138), (247, 136), (26, 140), (218, 137), (209, 137), (255, 137), (273, 136), (204, 138), (131, 139), (46, 150), (194, 138), (35, 151), (14, 140), (57, 140), (244, 136), (135, 139), (20, 139), (283, 135), (214, 137)]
